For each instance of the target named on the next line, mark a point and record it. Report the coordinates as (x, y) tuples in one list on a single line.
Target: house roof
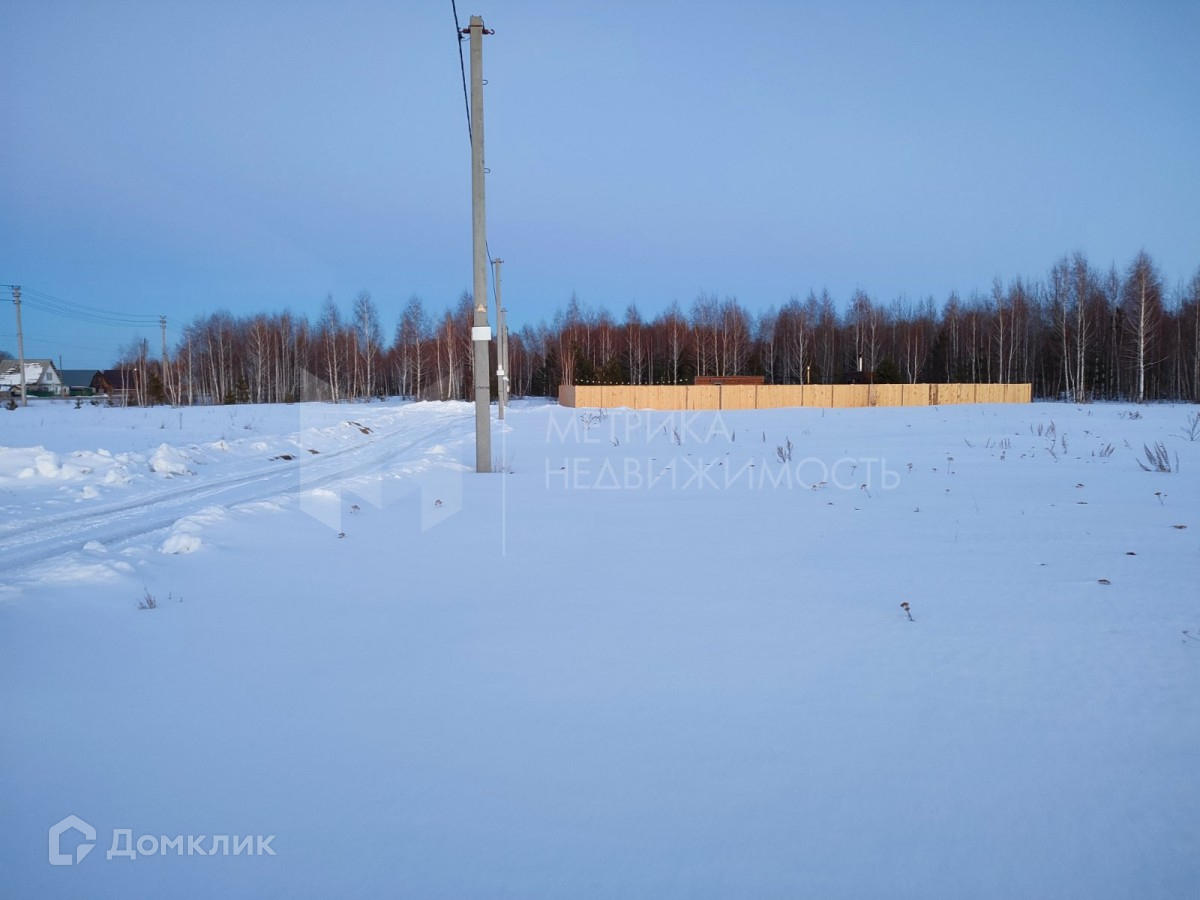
[(78, 377), (117, 378), (35, 369)]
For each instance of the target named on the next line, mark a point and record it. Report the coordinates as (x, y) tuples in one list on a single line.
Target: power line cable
[(81, 306), (80, 312), (84, 309), (462, 68), (116, 320)]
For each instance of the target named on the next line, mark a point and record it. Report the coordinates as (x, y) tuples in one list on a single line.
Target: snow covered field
[(652, 659)]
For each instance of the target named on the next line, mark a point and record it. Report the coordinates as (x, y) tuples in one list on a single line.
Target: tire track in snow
[(34, 540)]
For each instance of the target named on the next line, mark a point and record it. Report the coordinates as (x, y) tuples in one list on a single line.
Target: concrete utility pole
[(503, 326), (481, 332), (144, 380), (501, 363), (166, 383), (20, 344), (504, 353)]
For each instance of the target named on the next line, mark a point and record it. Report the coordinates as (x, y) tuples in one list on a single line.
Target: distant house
[(81, 382), (42, 378), (119, 385)]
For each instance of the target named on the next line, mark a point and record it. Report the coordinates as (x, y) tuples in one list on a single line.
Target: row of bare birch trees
[(1076, 333)]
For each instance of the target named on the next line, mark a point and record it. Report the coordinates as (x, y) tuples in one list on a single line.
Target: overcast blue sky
[(174, 158)]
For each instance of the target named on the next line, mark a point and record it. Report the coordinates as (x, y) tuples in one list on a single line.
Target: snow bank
[(181, 543), (168, 460), (79, 572), (28, 462), (185, 534), (47, 465)]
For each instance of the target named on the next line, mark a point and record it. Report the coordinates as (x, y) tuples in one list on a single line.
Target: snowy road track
[(28, 540)]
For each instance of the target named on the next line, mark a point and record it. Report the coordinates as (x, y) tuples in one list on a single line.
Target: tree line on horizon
[(1077, 334)]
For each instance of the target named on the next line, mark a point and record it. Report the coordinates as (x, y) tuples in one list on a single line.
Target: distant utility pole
[(144, 381), (503, 325), (501, 363), (162, 323), (481, 332), (20, 343)]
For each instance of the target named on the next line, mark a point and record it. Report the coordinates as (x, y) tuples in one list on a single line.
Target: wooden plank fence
[(776, 396)]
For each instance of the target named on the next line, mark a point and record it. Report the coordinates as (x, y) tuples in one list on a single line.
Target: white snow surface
[(648, 658)]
